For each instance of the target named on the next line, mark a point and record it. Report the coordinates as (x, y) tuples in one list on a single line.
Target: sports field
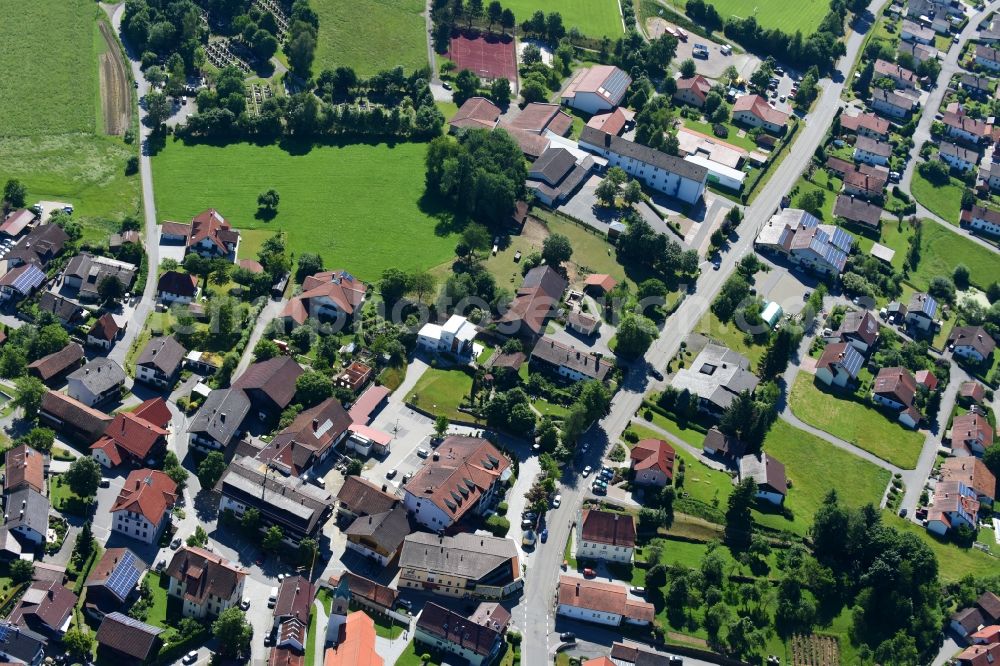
[(802, 15), (370, 35), (50, 138), (358, 206), (594, 18)]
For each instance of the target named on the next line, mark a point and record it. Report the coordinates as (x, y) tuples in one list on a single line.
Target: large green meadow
[(803, 15), (370, 35), (594, 18), (359, 206), (49, 109)]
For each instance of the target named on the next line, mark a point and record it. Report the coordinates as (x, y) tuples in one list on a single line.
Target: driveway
[(594, 343)]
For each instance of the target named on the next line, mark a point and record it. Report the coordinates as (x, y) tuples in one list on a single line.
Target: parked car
[(586, 471), (639, 591), (530, 515), (423, 453), (556, 501), (245, 604), (657, 375), (405, 603), (567, 637), (407, 477), (525, 524), (544, 535), (528, 538), (190, 657), (589, 573), (446, 85), (902, 512), (176, 543), (391, 474), (104, 482)]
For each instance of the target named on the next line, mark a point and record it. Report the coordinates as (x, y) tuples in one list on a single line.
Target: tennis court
[(491, 57)]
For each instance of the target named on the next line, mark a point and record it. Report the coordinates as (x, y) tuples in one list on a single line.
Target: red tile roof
[(211, 225), (698, 85), (759, 107), (357, 648), (45, 602), (608, 528), (339, 286), (24, 467), (654, 454), (600, 280), (897, 384), (367, 402), (105, 328), (155, 411), (476, 113), (603, 597), (973, 390), (148, 492), (129, 433), (971, 471), (971, 426)]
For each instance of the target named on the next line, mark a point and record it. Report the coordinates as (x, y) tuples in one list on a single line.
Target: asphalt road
[(538, 626)]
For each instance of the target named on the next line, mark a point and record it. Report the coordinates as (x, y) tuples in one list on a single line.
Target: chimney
[(577, 589), (315, 425), (222, 417), (385, 487)]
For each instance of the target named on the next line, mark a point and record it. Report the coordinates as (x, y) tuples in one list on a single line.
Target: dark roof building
[(57, 364), (569, 362), (72, 418), (309, 439), (160, 361), (461, 635), (536, 301), (857, 210), (360, 497), (219, 418), (127, 638), (24, 468), (112, 581), (46, 607), (769, 474), (68, 312), (270, 384), (39, 246)]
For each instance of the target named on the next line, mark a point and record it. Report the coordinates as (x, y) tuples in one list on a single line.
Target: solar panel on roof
[(29, 279), (4, 631), (842, 239), (124, 577)]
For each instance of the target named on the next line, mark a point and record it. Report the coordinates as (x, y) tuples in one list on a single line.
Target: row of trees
[(451, 15)]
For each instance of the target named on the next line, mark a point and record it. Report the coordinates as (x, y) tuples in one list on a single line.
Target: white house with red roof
[(652, 462), (754, 110), (599, 88), (213, 237), (143, 506), (326, 296), (134, 437), (693, 90)]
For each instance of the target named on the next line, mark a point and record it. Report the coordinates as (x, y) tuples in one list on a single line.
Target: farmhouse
[(121, 638), (328, 296), (555, 176), (857, 211), (755, 111), (206, 583), (605, 536), (972, 343), (871, 151), (270, 384), (16, 222), (539, 118), (536, 301), (983, 219), (464, 565), (177, 287), (53, 367), (693, 90), (601, 603), (599, 88), (475, 640), (839, 364), (568, 362), (652, 462), (72, 418), (213, 237), (664, 173), (142, 509), (768, 473), (971, 432), (475, 113), (715, 378), (100, 380), (160, 362), (957, 157)]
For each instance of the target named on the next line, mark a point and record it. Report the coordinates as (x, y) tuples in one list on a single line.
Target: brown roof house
[(46, 607), (360, 497), (213, 237), (464, 474), (601, 603), (953, 505), (328, 296), (379, 536), (295, 599), (972, 343), (537, 299), (50, 369), (858, 211), (270, 384), (24, 468), (177, 287), (772, 485), (105, 332), (568, 362), (839, 365), (134, 437), (112, 582), (475, 113), (720, 445), (142, 509), (309, 438), (974, 473), (605, 536), (693, 90), (652, 462), (206, 583), (539, 118), (476, 639), (859, 329), (72, 418), (895, 388), (366, 593), (121, 638), (971, 392), (972, 433)]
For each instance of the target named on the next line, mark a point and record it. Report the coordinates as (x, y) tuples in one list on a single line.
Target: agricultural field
[(370, 35), (52, 134), (594, 18), (804, 16), (941, 250), (354, 205)]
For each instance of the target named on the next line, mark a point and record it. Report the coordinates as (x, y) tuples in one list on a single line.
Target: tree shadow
[(266, 213)]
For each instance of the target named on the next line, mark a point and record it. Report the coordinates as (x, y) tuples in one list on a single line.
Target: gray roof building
[(21, 645), (716, 376), (570, 361), (645, 154), (221, 415), (26, 511), (99, 376), (766, 471), (465, 555), (164, 354)]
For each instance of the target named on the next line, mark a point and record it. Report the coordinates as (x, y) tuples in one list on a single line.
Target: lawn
[(49, 103), (804, 16), (954, 562), (311, 640), (821, 182), (594, 18), (941, 250), (411, 657), (441, 392), (944, 201), (729, 335), (370, 35), (814, 467), (851, 421), (744, 141), (386, 628), (590, 250), (355, 205)]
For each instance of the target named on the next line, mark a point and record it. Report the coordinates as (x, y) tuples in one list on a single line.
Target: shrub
[(720, 130), (497, 525), (502, 508)]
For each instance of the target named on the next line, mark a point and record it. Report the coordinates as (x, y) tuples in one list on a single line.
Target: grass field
[(355, 205), (49, 104), (941, 250), (814, 467), (729, 335), (953, 562), (594, 18), (441, 392), (370, 35), (853, 422), (804, 16), (944, 201), (822, 182)]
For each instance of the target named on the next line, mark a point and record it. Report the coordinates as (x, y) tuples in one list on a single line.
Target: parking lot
[(717, 62)]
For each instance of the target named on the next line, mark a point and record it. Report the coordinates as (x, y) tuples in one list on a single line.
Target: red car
[(589, 573)]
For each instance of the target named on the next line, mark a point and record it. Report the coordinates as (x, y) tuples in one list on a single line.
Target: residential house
[(755, 111), (556, 175), (652, 462), (664, 173), (355, 376), (891, 104), (85, 272), (142, 510), (50, 369), (360, 497), (104, 333), (584, 324), (160, 362), (953, 505), (984, 612), (595, 89), (987, 57), (379, 536), (309, 438), (921, 311), (96, 382), (866, 124), (693, 90), (601, 603), (294, 601), (896, 389), (974, 474), (270, 384), (971, 393), (920, 52), (24, 467), (454, 337), (860, 329), (123, 639), (568, 362), (118, 240), (300, 509), (137, 438), (972, 343), (957, 157), (605, 536), (367, 441), (206, 583), (213, 237), (986, 636), (865, 182), (972, 433), (799, 235), (26, 516), (46, 607), (39, 246), (858, 211), (871, 151), (328, 296), (914, 32), (475, 113), (177, 287), (965, 128), (768, 473), (66, 311), (983, 219), (977, 86), (535, 302), (899, 75), (715, 378), (21, 281), (19, 645), (720, 445), (354, 644), (839, 365), (218, 420), (16, 222), (71, 418), (113, 582), (175, 233), (468, 566), (979, 655), (539, 118), (476, 640), (464, 474)]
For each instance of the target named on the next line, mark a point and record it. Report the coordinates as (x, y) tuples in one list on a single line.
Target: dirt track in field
[(116, 100)]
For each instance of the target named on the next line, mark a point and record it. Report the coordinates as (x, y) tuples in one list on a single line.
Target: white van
[(272, 599)]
